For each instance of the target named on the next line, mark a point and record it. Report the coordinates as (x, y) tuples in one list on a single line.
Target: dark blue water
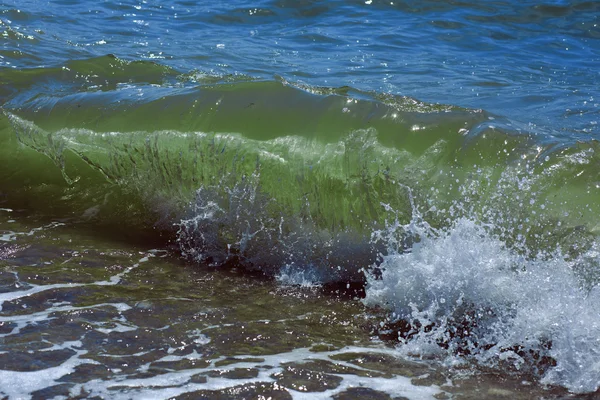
[(536, 63)]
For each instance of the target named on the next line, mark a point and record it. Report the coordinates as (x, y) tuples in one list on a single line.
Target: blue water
[(535, 63)]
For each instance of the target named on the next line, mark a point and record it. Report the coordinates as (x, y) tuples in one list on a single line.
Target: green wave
[(128, 142)]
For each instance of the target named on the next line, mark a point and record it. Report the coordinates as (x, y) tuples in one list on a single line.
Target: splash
[(463, 294), (241, 225)]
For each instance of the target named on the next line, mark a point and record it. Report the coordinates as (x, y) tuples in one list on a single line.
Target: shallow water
[(84, 316)]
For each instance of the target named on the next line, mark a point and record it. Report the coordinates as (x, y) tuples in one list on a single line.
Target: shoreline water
[(101, 318)]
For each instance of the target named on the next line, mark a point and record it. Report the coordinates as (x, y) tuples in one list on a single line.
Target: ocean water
[(300, 199)]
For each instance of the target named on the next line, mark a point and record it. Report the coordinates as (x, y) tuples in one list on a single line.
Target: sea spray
[(462, 294)]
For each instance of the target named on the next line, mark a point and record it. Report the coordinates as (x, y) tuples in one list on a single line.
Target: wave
[(479, 236), (330, 163), (325, 159)]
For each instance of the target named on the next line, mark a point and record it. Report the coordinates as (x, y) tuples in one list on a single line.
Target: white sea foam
[(9, 236), (20, 385), (482, 298), (34, 289), (23, 320), (175, 383)]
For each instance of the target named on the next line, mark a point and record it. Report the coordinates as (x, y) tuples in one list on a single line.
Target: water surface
[(293, 198)]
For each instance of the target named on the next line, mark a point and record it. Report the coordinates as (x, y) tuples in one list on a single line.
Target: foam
[(176, 383), (20, 385), (34, 289), (10, 236), (11, 296), (467, 274), (24, 320)]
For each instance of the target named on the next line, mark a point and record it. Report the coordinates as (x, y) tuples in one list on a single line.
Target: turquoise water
[(429, 167)]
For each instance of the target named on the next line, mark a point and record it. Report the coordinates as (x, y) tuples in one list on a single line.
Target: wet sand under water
[(84, 316)]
